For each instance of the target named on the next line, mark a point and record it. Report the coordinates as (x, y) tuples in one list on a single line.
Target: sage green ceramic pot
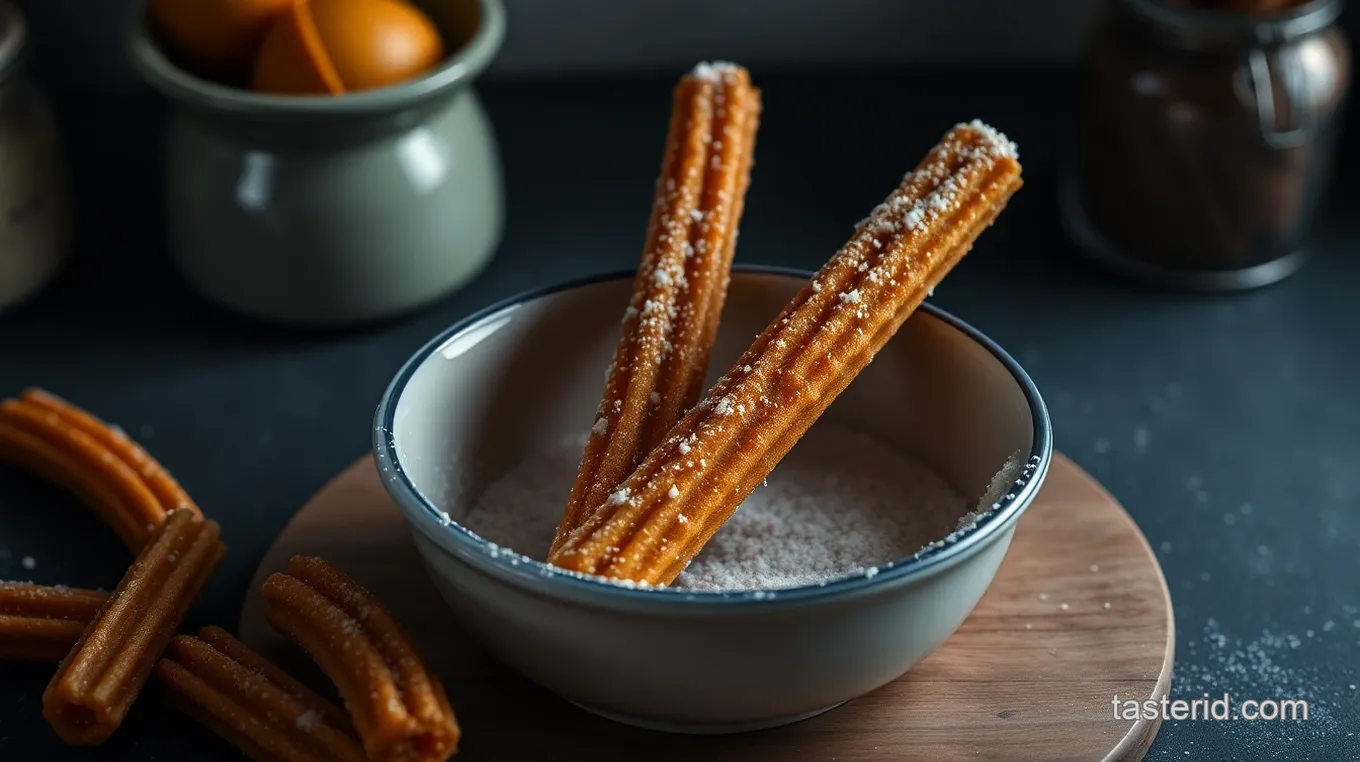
[(332, 211)]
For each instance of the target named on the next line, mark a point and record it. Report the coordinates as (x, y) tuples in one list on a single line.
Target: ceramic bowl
[(522, 375), (333, 210)]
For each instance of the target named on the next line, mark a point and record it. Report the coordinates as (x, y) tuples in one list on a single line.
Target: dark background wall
[(79, 42), (551, 36)]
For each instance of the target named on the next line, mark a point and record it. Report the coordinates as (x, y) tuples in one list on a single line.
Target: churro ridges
[(712, 239), (35, 454), (253, 704), (113, 643), (72, 448), (661, 515), (398, 707), (171, 495), (681, 283), (97, 683), (234, 649), (41, 623)]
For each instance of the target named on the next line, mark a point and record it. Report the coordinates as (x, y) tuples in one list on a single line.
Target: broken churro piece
[(97, 683), (681, 284), (99, 463), (41, 623), (659, 518), (398, 706), (253, 704)]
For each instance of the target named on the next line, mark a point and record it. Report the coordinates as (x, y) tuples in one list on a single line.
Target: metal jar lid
[(13, 39), (1195, 26)]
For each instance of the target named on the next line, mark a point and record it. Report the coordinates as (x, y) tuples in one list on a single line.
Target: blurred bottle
[(35, 205), (1206, 140)]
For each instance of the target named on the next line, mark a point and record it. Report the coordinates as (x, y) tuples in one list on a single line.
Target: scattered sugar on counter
[(1263, 667), (841, 503)]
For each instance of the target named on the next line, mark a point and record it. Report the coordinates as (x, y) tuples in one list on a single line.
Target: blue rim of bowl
[(496, 560), (459, 66)]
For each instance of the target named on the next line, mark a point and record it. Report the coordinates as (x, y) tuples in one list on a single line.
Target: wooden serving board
[(1078, 613)]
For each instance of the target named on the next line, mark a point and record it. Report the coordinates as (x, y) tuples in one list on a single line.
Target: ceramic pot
[(330, 211), (35, 197)]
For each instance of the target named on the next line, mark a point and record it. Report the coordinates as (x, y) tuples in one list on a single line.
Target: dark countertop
[(1227, 425)]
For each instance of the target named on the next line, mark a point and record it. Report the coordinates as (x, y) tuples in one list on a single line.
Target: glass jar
[(35, 206), (1206, 140)]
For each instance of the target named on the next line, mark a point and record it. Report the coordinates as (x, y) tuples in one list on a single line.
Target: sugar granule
[(308, 721), (840, 503), (1264, 666)]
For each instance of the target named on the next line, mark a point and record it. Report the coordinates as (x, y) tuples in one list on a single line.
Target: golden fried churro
[(96, 684), (168, 491), (662, 514), (41, 623), (681, 283), (99, 463), (397, 705), (253, 704)]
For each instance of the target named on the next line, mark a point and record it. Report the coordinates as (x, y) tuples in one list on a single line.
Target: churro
[(98, 462), (398, 706), (658, 519), (681, 284), (41, 623), (97, 683), (253, 704)]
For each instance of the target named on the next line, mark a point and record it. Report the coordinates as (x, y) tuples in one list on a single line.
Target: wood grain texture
[(1023, 679)]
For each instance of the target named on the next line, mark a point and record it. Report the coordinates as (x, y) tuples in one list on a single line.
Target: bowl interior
[(521, 378)]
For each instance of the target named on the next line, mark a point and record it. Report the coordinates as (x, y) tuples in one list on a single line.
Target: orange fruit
[(338, 46), (219, 37)]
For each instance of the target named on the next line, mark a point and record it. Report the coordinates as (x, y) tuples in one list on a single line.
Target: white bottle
[(35, 204)]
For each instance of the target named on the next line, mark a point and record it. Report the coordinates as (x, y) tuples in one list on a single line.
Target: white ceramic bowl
[(521, 375)]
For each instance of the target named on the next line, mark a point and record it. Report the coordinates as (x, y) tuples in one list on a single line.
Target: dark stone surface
[(1227, 425)]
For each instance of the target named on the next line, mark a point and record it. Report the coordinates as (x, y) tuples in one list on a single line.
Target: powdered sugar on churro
[(713, 71), (820, 341), (841, 503), (908, 243), (681, 282), (308, 721), (901, 212)]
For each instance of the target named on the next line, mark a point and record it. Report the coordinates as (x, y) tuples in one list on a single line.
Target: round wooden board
[(1078, 613)]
